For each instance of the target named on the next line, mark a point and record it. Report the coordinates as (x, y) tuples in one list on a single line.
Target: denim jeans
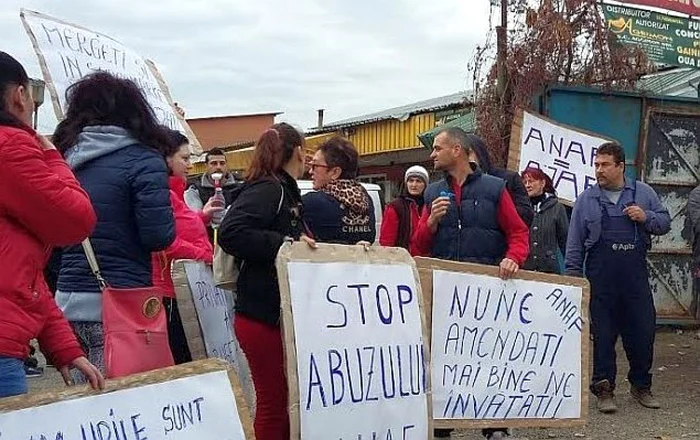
[(13, 382)]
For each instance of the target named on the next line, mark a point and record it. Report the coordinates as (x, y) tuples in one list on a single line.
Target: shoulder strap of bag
[(92, 261)]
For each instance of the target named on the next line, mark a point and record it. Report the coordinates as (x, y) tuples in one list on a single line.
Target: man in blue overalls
[(610, 230)]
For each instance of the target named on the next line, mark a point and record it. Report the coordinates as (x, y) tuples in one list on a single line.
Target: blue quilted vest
[(470, 232)]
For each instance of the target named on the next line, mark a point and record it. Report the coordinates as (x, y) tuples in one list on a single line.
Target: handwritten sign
[(513, 351), (355, 344), (68, 52), (565, 153), (185, 403), (207, 316)]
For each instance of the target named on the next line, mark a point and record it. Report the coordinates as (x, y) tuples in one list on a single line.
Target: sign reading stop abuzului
[(690, 7), (665, 38)]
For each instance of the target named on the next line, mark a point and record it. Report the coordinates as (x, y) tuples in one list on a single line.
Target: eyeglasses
[(314, 165)]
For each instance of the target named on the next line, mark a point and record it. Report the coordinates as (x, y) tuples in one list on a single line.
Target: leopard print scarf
[(350, 194)]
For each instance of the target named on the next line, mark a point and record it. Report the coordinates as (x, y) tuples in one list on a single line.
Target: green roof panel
[(466, 123)]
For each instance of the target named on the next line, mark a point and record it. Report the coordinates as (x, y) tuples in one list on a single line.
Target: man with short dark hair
[(202, 189), (469, 216), (611, 230)]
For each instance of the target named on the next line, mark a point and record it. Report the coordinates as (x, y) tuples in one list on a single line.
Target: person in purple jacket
[(611, 228)]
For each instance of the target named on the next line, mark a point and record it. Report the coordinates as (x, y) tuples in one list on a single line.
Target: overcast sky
[(222, 57)]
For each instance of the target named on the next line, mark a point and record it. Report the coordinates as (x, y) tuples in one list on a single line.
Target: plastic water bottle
[(217, 200)]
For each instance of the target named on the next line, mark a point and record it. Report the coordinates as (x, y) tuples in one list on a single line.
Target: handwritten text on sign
[(566, 155), (360, 354), (214, 312), (72, 52), (191, 408), (505, 349)]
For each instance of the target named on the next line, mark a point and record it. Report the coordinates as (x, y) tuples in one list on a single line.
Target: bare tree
[(551, 41)]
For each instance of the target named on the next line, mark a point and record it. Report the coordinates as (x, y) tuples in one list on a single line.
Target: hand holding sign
[(93, 375), (508, 268)]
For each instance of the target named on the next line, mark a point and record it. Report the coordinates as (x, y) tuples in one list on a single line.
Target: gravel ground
[(676, 384)]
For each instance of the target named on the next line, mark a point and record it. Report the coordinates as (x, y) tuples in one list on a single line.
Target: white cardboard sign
[(360, 352), (214, 311), (69, 52), (190, 408), (505, 349), (214, 307), (564, 153)]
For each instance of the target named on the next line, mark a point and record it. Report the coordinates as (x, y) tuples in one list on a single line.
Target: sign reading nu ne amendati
[(665, 38)]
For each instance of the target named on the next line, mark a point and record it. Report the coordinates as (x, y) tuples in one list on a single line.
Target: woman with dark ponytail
[(41, 206), (265, 213)]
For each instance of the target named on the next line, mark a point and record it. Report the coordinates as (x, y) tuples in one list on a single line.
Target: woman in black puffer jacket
[(265, 212)]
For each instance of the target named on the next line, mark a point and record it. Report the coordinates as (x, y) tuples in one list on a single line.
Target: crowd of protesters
[(115, 176)]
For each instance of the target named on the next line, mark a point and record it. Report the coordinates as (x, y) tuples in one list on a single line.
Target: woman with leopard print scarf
[(340, 210)]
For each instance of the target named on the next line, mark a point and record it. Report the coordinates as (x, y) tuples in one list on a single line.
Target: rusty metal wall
[(671, 166)]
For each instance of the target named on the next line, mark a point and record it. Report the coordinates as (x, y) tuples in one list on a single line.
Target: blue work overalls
[(621, 300)]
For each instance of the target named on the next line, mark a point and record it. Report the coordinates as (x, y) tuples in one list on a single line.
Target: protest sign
[(565, 153), (506, 353), (207, 317), (357, 362), (666, 39), (186, 402), (68, 52), (690, 7)]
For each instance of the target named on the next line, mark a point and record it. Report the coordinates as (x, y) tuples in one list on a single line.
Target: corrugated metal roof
[(401, 113), (680, 81)]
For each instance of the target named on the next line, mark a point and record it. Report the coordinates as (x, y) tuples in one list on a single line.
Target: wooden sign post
[(506, 353), (357, 362), (187, 402)]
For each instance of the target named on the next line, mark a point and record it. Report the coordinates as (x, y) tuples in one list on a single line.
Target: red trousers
[(262, 345)]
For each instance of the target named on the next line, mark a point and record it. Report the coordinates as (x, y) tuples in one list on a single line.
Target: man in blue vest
[(611, 228), (469, 216)]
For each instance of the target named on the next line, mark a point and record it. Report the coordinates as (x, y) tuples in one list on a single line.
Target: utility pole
[(502, 50)]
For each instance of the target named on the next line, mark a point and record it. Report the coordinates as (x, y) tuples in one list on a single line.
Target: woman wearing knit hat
[(403, 214)]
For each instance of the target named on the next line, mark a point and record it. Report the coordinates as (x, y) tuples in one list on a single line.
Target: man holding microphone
[(611, 228), (470, 217)]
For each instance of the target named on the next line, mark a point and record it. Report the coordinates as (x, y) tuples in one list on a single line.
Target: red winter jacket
[(41, 206), (191, 239), (389, 234)]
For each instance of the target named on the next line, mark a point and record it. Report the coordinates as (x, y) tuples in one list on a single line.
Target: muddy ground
[(676, 384)]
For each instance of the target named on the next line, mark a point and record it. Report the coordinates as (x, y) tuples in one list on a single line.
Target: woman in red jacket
[(403, 214), (191, 241), (41, 206)]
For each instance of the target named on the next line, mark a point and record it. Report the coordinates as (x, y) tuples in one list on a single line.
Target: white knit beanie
[(417, 171)]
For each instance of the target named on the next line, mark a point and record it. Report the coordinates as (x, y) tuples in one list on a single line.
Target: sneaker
[(603, 391), (442, 433), (644, 397), (498, 435), (33, 371)]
